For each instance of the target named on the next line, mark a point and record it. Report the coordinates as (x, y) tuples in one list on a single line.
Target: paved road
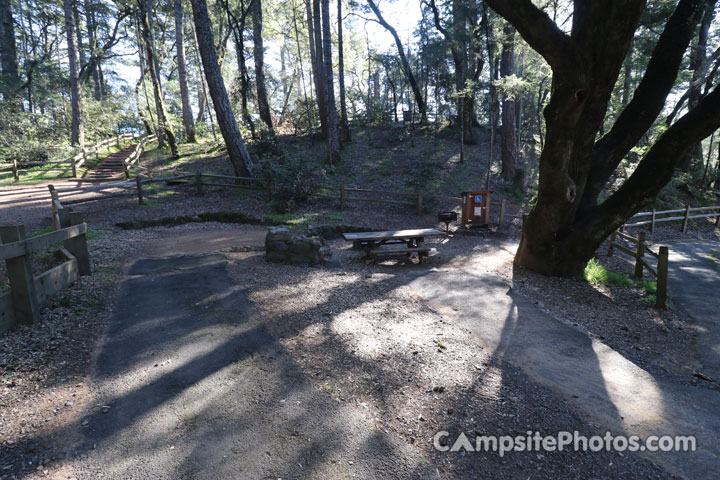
[(694, 286), (612, 391), (190, 385)]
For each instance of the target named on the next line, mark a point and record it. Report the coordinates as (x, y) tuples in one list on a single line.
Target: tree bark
[(318, 63), (419, 100), (508, 152), (187, 114), (91, 24), (164, 128), (333, 137), (259, 56), (9, 78), (237, 152), (77, 131), (344, 126), (567, 224)]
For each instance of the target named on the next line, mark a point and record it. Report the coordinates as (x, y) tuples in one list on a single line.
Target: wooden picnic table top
[(399, 234)]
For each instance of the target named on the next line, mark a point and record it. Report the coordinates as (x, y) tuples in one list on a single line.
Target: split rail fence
[(66, 166), (641, 248), (659, 216), (28, 293)]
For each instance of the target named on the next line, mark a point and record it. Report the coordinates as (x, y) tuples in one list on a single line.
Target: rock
[(300, 246), (278, 234), (276, 246), (298, 260), (276, 257)]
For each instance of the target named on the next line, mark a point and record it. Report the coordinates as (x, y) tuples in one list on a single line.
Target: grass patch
[(599, 275), (300, 220)]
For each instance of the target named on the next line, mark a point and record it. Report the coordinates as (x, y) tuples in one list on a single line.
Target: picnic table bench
[(412, 240)]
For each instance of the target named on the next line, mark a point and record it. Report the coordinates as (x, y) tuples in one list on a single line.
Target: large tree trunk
[(567, 224), (77, 132), (188, 122), (237, 152), (318, 64), (698, 60), (259, 56), (164, 127), (508, 152), (333, 137), (91, 24), (344, 126), (422, 109), (9, 78)]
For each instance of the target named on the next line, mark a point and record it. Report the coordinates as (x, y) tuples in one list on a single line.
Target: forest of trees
[(594, 106)]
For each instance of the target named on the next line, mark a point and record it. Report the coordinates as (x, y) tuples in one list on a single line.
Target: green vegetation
[(599, 275)]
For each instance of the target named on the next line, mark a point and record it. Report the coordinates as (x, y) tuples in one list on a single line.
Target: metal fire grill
[(447, 218)]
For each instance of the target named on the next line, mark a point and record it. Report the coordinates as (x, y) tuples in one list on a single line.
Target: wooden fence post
[(342, 197), (639, 255), (502, 214), (268, 188), (652, 221), (53, 207), (419, 202), (662, 278), (685, 220), (22, 284), (717, 220), (73, 165), (79, 246), (198, 183), (15, 170), (613, 236), (138, 182)]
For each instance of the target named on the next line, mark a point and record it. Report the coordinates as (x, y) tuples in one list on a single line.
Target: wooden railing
[(685, 217), (660, 271), (133, 161), (29, 293), (71, 165)]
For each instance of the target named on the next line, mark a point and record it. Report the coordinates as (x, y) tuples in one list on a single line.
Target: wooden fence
[(29, 293), (71, 165), (660, 271), (659, 216), (133, 161)]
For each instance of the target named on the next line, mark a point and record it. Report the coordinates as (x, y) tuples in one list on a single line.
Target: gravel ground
[(367, 339), (358, 331)]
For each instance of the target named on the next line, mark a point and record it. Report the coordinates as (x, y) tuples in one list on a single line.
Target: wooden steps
[(112, 168)]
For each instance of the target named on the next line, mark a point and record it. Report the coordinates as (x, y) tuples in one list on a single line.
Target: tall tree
[(508, 152), (187, 115), (237, 152), (417, 94), (332, 119), (344, 126), (463, 14), (568, 223), (77, 132), (317, 60), (259, 57), (9, 78), (153, 66)]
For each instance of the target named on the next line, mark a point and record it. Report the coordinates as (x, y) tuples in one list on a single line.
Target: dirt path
[(190, 384), (693, 284), (611, 390)]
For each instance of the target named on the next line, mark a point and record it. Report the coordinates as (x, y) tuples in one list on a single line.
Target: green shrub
[(294, 178), (599, 275)]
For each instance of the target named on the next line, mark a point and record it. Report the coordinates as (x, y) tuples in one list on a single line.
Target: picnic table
[(412, 240)]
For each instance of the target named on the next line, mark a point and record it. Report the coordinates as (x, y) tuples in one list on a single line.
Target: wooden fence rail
[(660, 271), (29, 293), (72, 164), (685, 217)]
